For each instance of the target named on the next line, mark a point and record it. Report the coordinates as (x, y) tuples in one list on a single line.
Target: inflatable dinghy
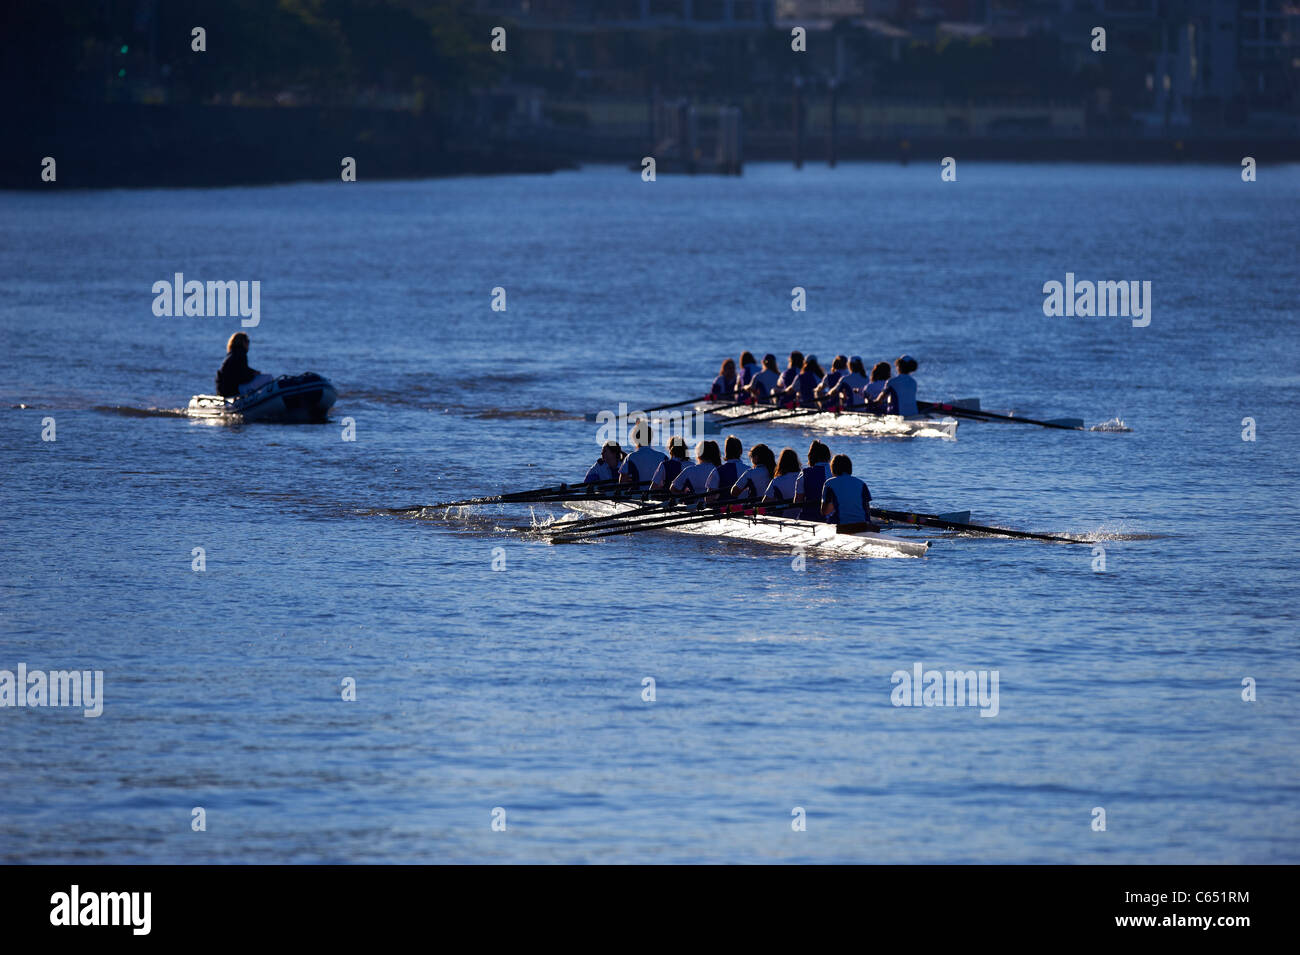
[(289, 398)]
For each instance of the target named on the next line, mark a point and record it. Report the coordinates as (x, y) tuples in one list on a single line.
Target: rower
[(761, 385), (879, 395), (811, 480), (694, 478), (846, 499), (826, 387), (781, 487), (638, 466), (904, 384), (728, 472), (849, 390), (748, 369), (670, 466), (724, 386), (801, 389), (605, 469), (751, 485), (787, 377)]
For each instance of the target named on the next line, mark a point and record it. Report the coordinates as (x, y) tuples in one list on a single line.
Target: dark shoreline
[(134, 146)]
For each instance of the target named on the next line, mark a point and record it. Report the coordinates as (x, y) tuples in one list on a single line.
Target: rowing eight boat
[(846, 422), (780, 531)]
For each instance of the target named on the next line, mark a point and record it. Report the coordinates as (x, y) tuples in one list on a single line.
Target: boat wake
[(1114, 424), (128, 412)]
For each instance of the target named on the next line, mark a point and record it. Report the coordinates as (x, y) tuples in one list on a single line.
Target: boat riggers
[(557, 492)]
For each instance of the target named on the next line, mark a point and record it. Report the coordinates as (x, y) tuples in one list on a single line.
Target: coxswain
[(845, 499), (728, 472), (639, 466), (670, 466), (808, 486), (606, 467), (751, 484), (694, 478), (904, 384)]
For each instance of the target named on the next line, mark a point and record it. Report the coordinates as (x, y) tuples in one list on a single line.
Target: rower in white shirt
[(845, 499), (639, 466), (694, 478), (751, 485), (781, 488), (763, 383), (904, 384), (849, 391)]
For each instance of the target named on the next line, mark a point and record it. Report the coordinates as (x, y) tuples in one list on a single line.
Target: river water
[(521, 689)]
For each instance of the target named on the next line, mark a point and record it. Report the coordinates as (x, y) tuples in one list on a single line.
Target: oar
[(560, 491), (795, 413), (594, 416), (1066, 424), (664, 521), (935, 520), (651, 511)]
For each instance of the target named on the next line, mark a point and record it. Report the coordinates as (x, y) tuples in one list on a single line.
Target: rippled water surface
[(522, 688)]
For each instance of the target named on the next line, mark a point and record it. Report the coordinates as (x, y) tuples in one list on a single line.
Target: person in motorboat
[(724, 386), (728, 472), (845, 499), (606, 467), (235, 378), (808, 486), (694, 478), (879, 396), (670, 466), (847, 393), (751, 485), (904, 384), (762, 384), (640, 465), (781, 487)]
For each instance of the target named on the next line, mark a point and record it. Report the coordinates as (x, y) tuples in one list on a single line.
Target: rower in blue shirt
[(724, 386), (904, 384), (606, 468), (845, 499), (808, 486), (639, 466), (670, 466), (728, 472)]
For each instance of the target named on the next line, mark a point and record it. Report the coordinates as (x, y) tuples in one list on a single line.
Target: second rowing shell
[(778, 531), (845, 422)]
